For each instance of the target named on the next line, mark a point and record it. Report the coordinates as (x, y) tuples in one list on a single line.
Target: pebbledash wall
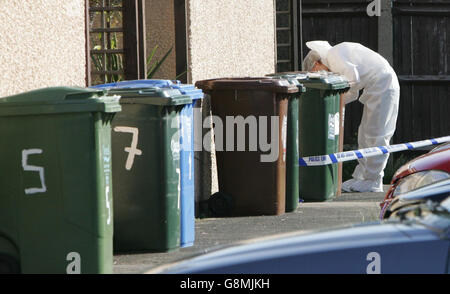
[(42, 44), (230, 38), (226, 39)]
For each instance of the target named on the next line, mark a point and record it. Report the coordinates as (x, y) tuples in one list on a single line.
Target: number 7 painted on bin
[(40, 170), (132, 150)]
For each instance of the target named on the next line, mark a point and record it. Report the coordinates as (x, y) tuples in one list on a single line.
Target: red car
[(421, 171)]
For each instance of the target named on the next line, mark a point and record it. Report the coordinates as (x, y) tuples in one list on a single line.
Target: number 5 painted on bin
[(40, 170), (132, 150)]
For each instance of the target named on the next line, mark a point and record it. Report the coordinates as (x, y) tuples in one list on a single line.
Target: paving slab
[(213, 233)]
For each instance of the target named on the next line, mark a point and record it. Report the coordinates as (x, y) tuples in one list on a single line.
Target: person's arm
[(351, 95), (349, 70)]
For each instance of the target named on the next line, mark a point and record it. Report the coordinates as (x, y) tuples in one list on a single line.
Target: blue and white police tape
[(367, 152)]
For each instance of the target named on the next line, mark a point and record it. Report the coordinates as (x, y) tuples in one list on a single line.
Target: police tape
[(367, 152)]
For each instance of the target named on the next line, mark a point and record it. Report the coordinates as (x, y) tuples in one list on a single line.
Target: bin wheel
[(220, 204), (9, 265), (9, 257)]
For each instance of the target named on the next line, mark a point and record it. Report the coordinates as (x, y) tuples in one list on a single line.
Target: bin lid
[(292, 81), (317, 80), (186, 89), (151, 96), (249, 83), (59, 100)]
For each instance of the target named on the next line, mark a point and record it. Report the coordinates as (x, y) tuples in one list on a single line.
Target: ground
[(350, 208)]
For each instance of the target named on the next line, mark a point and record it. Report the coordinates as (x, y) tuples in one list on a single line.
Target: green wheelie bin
[(146, 169), (319, 121), (56, 213), (292, 150)]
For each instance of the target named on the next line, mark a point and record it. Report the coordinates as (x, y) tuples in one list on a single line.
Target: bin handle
[(147, 91), (84, 95), (160, 83)]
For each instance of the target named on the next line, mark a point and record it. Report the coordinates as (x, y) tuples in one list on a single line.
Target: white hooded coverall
[(366, 69)]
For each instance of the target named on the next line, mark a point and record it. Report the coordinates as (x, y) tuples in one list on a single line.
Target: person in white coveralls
[(368, 71)]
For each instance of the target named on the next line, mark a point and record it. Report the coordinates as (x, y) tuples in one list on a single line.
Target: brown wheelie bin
[(251, 179)]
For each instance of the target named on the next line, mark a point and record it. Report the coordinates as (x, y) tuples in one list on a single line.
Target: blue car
[(414, 240)]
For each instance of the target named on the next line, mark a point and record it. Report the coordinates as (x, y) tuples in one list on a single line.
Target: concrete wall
[(230, 38), (42, 43), (160, 27)]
